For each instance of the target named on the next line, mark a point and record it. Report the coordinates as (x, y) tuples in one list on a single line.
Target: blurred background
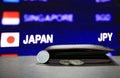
[(28, 26)]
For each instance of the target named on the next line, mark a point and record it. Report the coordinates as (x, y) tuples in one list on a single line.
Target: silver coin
[(64, 62), (43, 56), (76, 62)]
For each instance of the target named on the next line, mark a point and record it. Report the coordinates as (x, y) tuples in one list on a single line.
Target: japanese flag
[(10, 18), (10, 39)]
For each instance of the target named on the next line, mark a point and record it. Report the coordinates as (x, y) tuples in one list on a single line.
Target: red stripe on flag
[(9, 55), (13, 14)]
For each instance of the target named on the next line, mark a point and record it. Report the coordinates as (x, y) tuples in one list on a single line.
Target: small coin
[(64, 62), (43, 56), (76, 62)]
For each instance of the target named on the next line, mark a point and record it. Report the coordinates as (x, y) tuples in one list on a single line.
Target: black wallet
[(83, 54)]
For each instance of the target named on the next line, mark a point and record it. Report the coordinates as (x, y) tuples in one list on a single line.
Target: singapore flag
[(10, 39), (10, 18)]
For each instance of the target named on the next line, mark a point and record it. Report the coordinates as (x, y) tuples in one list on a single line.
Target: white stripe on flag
[(10, 21)]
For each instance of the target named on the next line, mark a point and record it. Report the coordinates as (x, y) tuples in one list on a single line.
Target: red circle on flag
[(10, 39)]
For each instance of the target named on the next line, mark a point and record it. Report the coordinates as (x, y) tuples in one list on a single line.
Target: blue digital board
[(28, 26)]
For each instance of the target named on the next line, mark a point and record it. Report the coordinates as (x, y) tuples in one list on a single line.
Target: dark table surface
[(28, 67)]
